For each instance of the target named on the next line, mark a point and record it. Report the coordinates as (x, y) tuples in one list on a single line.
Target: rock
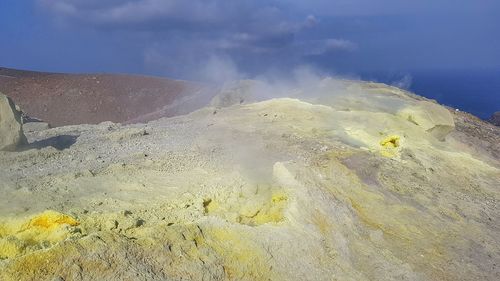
[(432, 117), (27, 118), (495, 118), (35, 126), (11, 131)]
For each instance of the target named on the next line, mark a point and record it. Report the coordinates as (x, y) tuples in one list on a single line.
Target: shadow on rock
[(58, 142)]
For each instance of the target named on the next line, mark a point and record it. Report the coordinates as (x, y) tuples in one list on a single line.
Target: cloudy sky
[(179, 38)]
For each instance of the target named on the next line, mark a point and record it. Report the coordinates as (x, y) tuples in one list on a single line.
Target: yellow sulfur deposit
[(243, 259), (19, 236), (270, 211), (52, 219), (265, 207), (390, 142), (281, 189), (389, 145)]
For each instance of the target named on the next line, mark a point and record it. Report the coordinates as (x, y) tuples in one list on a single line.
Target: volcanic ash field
[(341, 180)]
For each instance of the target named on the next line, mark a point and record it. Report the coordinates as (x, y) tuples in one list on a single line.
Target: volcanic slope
[(345, 180), (71, 99)]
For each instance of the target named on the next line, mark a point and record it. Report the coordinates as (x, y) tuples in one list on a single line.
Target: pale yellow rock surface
[(11, 132), (434, 118), (332, 184)]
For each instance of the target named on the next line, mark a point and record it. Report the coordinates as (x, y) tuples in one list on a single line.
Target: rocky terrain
[(333, 180), (495, 119), (70, 99)]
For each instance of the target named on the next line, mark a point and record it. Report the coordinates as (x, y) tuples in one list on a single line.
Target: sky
[(192, 39)]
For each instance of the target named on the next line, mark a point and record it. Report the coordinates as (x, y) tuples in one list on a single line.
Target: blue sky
[(177, 38)]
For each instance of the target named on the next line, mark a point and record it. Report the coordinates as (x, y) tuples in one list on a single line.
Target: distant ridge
[(17, 73), (69, 99)]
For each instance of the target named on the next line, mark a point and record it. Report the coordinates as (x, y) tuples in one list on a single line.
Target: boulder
[(495, 118), (432, 117), (11, 131)]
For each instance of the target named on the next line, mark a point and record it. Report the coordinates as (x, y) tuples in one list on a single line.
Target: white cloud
[(324, 46), (180, 35), (339, 44)]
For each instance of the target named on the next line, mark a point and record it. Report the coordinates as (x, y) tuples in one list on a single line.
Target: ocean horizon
[(473, 91)]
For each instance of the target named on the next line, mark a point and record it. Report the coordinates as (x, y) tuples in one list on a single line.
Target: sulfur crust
[(283, 189), (21, 236)]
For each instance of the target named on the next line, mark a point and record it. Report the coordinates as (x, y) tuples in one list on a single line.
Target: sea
[(472, 91)]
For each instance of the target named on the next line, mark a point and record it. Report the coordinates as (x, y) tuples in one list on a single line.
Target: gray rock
[(35, 126), (495, 118), (11, 131)]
